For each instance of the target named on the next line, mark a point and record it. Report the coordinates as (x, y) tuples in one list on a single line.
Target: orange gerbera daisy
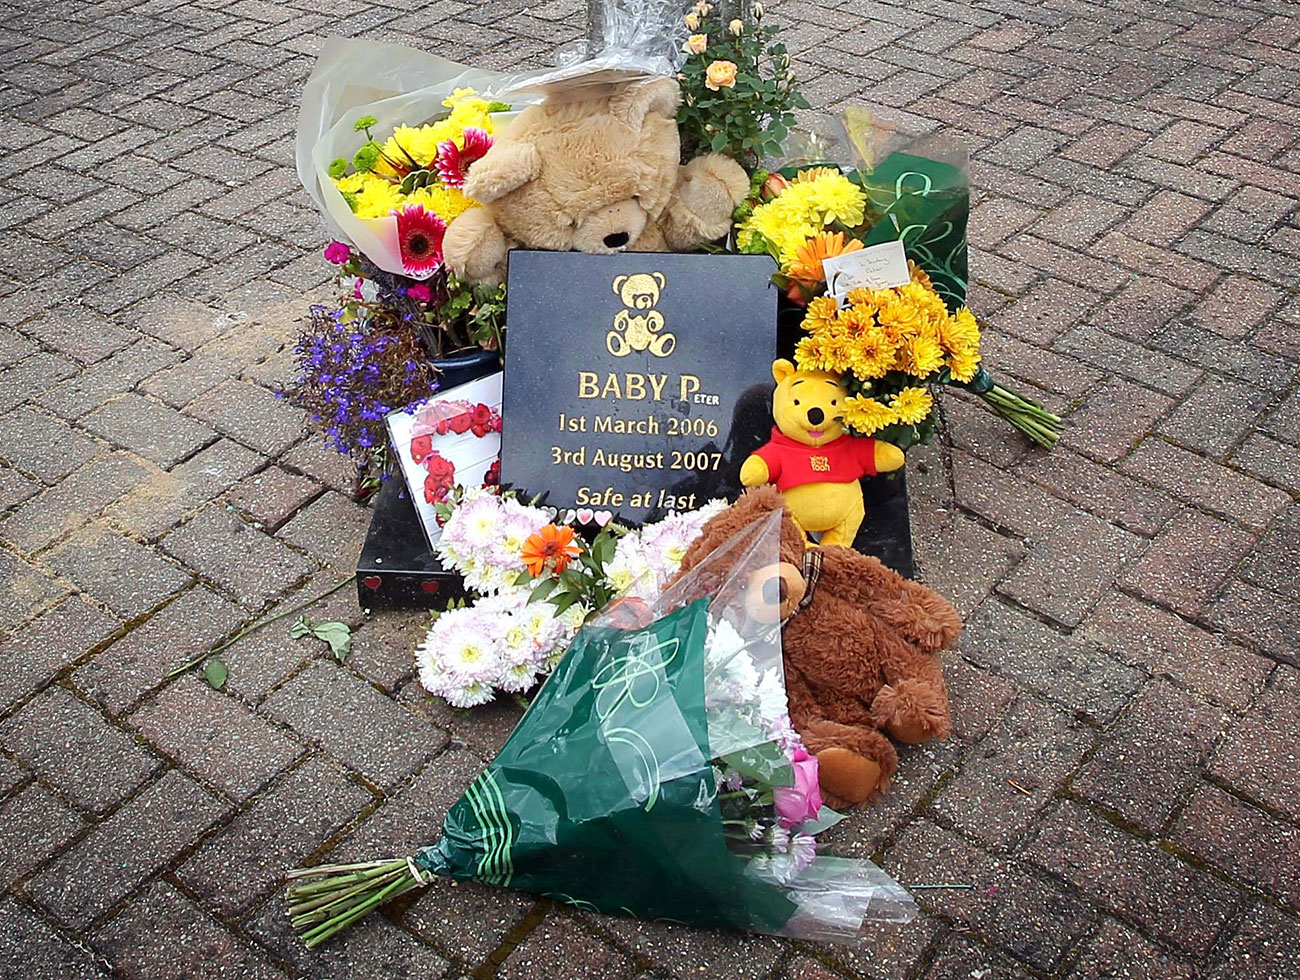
[(807, 262), (550, 544)]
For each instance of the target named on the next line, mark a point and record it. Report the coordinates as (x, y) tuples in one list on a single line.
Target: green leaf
[(337, 635), (564, 602), (718, 142), (544, 589), (215, 673), (524, 577)]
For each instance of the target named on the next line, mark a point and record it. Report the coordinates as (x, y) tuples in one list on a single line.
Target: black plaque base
[(396, 569), (887, 530)]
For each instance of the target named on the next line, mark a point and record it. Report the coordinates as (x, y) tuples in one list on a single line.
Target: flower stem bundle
[(328, 898), (1030, 417)]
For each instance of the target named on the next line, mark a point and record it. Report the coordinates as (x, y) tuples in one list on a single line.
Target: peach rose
[(721, 74), (692, 21), (774, 185), (736, 27), (696, 44)]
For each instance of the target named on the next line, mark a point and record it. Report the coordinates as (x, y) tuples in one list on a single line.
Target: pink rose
[(803, 800), (420, 292), (337, 252)]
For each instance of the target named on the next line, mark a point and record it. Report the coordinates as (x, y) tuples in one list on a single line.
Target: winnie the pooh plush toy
[(596, 169), (813, 460), (859, 645)]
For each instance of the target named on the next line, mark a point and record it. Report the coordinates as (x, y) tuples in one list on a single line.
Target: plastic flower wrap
[(654, 775), (385, 134)]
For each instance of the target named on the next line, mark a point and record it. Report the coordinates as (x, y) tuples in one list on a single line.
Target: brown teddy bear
[(859, 646), (597, 170)]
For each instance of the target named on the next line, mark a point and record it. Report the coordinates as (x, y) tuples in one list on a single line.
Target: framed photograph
[(453, 439)]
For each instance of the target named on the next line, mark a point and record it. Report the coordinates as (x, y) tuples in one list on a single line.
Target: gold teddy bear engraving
[(639, 328)]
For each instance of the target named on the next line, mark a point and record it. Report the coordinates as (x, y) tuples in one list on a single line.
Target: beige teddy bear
[(596, 170)]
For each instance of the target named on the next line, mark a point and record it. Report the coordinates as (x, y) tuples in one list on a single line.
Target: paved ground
[(1122, 790)]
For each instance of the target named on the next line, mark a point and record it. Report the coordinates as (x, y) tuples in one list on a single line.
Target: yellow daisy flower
[(924, 356), (964, 366), (821, 314), (810, 353), (912, 405), (865, 415), (873, 355)]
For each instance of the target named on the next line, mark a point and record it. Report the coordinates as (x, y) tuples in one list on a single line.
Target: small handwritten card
[(874, 267)]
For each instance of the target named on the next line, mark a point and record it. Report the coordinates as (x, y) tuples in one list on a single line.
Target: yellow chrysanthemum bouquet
[(892, 345)]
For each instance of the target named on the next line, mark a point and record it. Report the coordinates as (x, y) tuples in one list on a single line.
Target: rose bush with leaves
[(738, 90)]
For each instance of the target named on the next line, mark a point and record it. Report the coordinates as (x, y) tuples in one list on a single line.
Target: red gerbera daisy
[(419, 236), (452, 162)]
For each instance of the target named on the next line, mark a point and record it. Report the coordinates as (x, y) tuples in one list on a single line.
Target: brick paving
[(1122, 786)]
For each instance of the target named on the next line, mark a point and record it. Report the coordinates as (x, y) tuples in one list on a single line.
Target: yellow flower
[(960, 332), (776, 225), (736, 27), (912, 405), (813, 173), (696, 44), (692, 21), (924, 356), (858, 320), (810, 353), (873, 355), (836, 198), (865, 415), (420, 143), (837, 353), (374, 196), (863, 297), (720, 74), (457, 95), (446, 202), (964, 366), (919, 275), (821, 315)]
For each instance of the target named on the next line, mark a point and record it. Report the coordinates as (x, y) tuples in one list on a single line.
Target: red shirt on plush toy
[(812, 460), (792, 464)]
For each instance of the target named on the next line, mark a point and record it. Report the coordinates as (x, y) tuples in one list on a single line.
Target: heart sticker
[(371, 581), (430, 587), (586, 515), (603, 517)]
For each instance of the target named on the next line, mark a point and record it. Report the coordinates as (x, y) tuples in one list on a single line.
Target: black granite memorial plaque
[(636, 383)]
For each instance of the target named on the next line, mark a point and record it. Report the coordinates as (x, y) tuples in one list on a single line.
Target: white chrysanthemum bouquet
[(538, 581)]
